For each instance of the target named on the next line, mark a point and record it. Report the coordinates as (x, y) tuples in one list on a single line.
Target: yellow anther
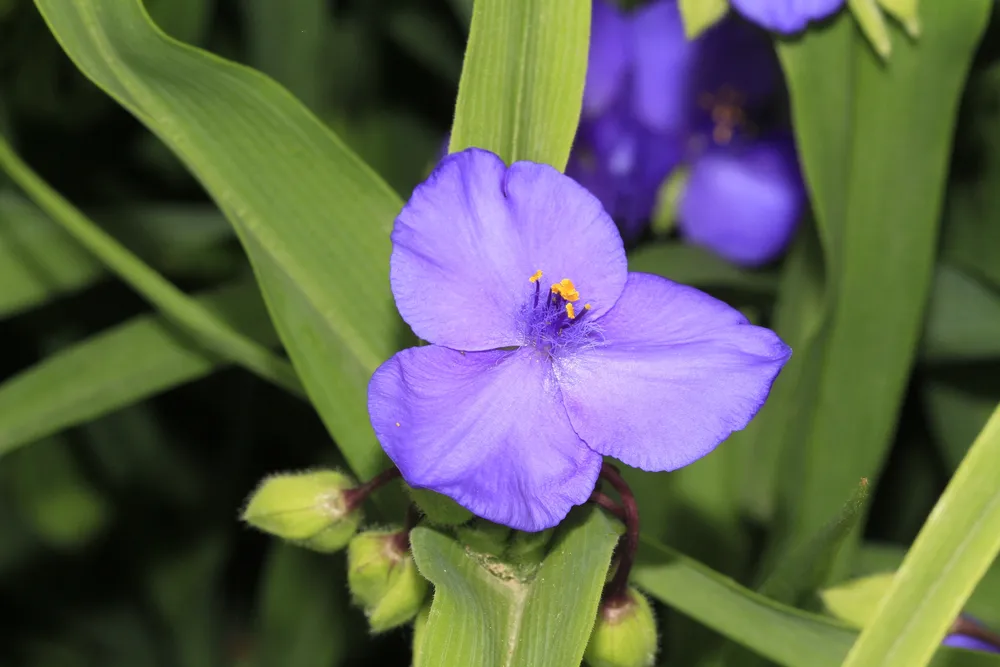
[(536, 276), (570, 312), (586, 306), (566, 289)]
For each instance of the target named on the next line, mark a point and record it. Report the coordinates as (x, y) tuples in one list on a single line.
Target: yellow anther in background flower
[(570, 312), (536, 276), (566, 289)]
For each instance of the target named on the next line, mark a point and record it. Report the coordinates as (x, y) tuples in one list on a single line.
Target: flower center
[(726, 109), (555, 319)]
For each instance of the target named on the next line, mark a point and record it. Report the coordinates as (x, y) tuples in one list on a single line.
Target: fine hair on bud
[(383, 579)]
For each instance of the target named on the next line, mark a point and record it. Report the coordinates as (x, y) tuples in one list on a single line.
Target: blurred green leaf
[(984, 604), (971, 231), (151, 461), (186, 20), (212, 332), (783, 634), (285, 41), (698, 267), (184, 588), (301, 610), (875, 139), (38, 259), (427, 41), (957, 414), (963, 319), (119, 366), (855, 601), (487, 613), (953, 551), (700, 15), (807, 568), (397, 144), (53, 494), (313, 218), (522, 79)]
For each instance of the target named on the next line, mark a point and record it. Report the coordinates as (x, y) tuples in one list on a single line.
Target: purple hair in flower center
[(556, 321)]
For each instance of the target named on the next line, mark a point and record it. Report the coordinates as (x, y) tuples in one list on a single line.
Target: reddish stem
[(963, 626), (616, 592), (607, 503), (354, 498), (401, 540)]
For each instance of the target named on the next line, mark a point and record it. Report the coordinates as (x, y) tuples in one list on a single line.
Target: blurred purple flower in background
[(786, 16), (971, 643), (546, 353), (968, 633), (655, 100)]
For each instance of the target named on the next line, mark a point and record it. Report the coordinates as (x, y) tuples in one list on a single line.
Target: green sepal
[(439, 509)]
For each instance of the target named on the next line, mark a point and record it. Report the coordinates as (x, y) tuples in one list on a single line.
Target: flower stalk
[(356, 497), (616, 592)]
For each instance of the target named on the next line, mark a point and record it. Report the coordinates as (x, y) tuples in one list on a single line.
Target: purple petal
[(471, 236), (744, 202), (786, 16), (623, 164), (970, 643), (487, 429), (662, 67), (608, 60), (677, 372)]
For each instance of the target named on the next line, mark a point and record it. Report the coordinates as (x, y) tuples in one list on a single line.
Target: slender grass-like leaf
[(285, 41), (39, 261), (522, 79), (875, 141), (313, 219), (785, 635), (950, 555), (122, 365), (214, 333)]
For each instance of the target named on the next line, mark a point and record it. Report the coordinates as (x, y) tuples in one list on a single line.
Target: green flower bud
[(307, 508), (624, 635), (384, 580), (438, 508)]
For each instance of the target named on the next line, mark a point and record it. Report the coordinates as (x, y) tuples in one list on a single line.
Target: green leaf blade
[(312, 217), (951, 554), (522, 80), (486, 613)]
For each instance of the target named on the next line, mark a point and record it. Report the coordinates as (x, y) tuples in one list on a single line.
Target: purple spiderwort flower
[(546, 353), (654, 99), (786, 16)]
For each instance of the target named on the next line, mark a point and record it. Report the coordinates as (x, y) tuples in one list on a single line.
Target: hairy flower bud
[(384, 580), (307, 508), (624, 635)]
